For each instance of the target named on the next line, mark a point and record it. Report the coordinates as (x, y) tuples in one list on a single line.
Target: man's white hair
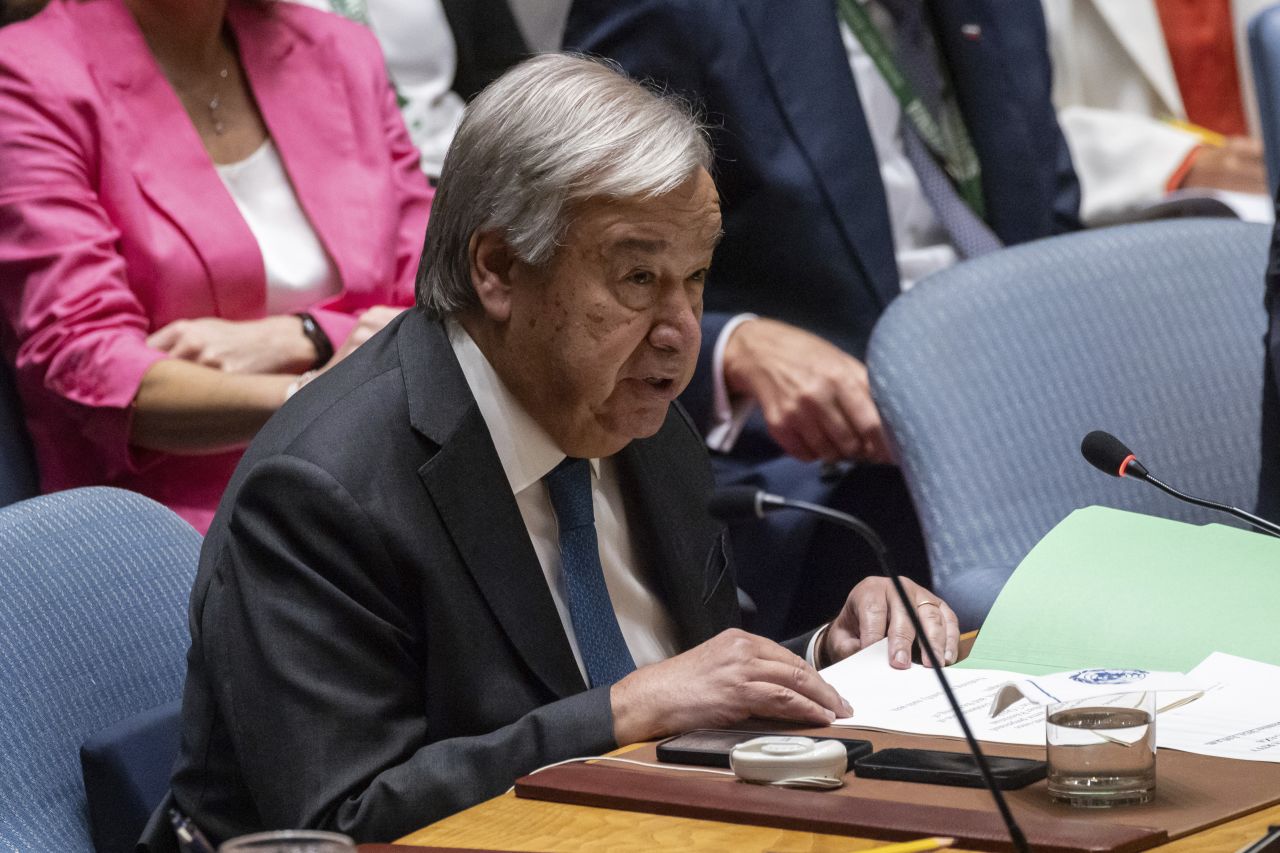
[(551, 132)]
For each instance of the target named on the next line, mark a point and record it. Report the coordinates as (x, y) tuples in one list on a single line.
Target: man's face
[(605, 336)]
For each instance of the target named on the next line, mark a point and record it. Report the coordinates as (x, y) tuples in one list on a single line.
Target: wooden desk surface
[(508, 823)]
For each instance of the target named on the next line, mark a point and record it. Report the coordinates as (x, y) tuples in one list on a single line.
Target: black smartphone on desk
[(711, 747), (935, 767)]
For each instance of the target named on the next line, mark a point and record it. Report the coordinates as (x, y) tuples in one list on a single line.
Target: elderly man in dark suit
[(861, 145), (479, 545)]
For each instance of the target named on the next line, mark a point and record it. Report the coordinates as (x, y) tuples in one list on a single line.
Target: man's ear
[(492, 265)]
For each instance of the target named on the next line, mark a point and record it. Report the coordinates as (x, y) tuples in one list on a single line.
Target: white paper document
[(1238, 716), (1174, 688), (910, 700), (1002, 707), (1235, 712)]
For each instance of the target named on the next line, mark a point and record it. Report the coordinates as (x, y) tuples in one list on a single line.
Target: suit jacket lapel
[(1136, 25), (470, 491), (825, 114), (169, 160), (315, 139), (669, 533)]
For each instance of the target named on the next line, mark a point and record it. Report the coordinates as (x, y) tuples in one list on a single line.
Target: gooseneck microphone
[(1109, 455), (737, 503)]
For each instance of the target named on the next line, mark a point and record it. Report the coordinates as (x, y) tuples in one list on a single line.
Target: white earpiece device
[(786, 760)]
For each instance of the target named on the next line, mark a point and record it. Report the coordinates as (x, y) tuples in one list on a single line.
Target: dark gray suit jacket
[(373, 642)]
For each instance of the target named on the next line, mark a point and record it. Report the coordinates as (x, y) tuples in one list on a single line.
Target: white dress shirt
[(299, 270), (528, 454)]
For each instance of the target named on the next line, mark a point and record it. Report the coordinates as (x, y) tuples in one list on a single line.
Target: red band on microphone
[(1124, 466)]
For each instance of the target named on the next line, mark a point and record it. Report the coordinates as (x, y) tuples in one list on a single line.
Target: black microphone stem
[(1261, 524), (882, 554)]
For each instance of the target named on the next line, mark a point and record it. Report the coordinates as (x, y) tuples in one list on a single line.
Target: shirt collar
[(526, 451)]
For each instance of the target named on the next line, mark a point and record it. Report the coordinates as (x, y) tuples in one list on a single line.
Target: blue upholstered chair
[(989, 374), (1264, 54), (93, 631), (17, 464)]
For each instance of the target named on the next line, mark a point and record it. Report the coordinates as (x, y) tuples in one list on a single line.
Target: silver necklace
[(216, 102)]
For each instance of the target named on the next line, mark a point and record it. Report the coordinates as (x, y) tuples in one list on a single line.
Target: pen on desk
[(923, 845), (190, 838)]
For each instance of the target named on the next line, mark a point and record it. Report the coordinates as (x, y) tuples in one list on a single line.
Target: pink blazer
[(114, 222)]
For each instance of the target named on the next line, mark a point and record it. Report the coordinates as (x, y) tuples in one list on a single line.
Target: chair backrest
[(989, 374), (1264, 56), (17, 463), (93, 630)]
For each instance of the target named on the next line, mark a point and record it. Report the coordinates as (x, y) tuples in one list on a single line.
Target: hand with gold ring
[(872, 611)]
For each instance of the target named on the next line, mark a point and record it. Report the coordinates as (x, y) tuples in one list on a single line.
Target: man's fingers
[(813, 429), (840, 436), (862, 414), (951, 646), (771, 702), (792, 442), (873, 618), (900, 632), (935, 629), (774, 698), (802, 679)]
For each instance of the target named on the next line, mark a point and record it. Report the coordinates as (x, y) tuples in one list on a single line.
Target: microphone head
[(735, 503), (1109, 455)]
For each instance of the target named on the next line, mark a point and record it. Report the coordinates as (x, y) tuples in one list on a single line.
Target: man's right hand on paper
[(730, 677)]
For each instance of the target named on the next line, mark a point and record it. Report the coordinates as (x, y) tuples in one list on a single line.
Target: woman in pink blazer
[(200, 201)]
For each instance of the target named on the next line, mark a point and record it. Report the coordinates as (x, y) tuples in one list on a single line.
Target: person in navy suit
[(830, 211)]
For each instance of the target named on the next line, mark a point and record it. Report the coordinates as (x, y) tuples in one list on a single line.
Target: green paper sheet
[(1108, 588)]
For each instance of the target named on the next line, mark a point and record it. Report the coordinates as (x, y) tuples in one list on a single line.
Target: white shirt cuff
[(811, 651), (728, 416)]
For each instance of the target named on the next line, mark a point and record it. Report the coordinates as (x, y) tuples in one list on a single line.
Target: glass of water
[(1102, 751), (290, 841)]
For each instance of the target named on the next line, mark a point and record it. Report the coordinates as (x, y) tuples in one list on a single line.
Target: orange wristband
[(1180, 174)]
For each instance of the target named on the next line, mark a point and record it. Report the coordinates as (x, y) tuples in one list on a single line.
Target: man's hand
[(270, 345), (1236, 166), (732, 676), (815, 397), (872, 611)]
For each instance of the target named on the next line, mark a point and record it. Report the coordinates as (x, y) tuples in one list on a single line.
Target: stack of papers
[(1237, 717), (1235, 712)]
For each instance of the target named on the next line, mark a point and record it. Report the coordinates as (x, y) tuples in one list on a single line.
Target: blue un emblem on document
[(1109, 676)]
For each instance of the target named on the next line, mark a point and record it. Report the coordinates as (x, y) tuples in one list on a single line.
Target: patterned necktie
[(600, 642), (918, 57)]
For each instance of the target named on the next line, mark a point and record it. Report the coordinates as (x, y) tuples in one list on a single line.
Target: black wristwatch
[(319, 340)]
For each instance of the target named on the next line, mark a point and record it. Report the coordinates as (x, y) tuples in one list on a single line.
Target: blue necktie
[(600, 642)]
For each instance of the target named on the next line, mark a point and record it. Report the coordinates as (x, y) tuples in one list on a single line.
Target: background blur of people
[(1155, 95), (441, 53), (201, 204), (837, 197)]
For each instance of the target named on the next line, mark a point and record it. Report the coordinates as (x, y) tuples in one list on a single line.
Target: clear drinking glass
[(290, 841), (1102, 751)]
